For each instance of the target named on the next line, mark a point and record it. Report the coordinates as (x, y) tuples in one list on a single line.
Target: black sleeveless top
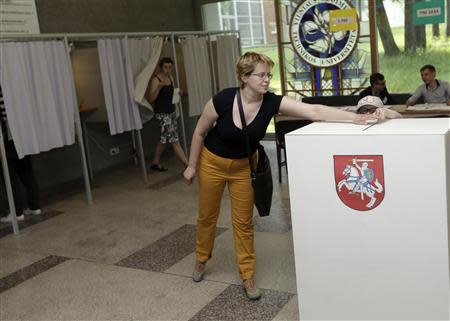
[(228, 141), (163, 103)]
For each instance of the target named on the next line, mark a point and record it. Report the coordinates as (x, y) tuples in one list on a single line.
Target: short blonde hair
[(247, 63)]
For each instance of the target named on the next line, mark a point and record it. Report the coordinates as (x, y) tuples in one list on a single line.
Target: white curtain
[(227, 55), (37, 84), (198, 73), (144, 55), (118, 87)]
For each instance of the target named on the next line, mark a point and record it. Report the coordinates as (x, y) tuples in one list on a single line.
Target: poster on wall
[(429, 12), (313, 39), (18, 17), (325, 36)]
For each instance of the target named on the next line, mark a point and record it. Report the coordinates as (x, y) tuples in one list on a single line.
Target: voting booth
[(370, 219)]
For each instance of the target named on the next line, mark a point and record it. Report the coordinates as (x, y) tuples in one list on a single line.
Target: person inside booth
[(374, 105)]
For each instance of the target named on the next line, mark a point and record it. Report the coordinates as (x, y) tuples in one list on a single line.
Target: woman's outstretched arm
[(291, 107)]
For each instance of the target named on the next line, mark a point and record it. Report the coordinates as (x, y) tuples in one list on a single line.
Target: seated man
[(378, 88), (370, 104), (432, 90)]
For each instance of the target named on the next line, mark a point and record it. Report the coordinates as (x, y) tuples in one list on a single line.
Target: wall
[(88, 81), (56, 16)]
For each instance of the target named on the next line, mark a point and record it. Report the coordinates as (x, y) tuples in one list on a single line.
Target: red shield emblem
[(359, 180)]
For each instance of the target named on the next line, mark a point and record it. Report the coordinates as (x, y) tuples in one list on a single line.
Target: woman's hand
[(380, 113), (189, 174), (364, 119)]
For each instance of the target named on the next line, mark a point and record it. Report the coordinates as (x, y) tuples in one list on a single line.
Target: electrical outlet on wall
[(114, 151)]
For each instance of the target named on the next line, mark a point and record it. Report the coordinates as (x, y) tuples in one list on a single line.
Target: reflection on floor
[(130, 256)]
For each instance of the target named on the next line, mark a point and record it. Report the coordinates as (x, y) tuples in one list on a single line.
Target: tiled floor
[(130, 255)]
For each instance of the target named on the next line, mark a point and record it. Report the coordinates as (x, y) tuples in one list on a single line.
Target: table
[(423, 110)]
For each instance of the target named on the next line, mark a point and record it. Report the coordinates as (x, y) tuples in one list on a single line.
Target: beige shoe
[(199, 271), (252, 292)]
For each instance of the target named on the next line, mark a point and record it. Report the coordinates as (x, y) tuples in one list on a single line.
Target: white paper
[(176, 96)]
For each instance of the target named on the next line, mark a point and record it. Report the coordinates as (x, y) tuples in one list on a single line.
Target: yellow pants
[(214, 173)]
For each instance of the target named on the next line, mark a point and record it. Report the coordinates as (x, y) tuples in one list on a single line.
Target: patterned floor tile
[(233, 305), (165, 252), (29, 271)]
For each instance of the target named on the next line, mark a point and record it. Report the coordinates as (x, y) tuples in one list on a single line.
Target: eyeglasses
[(366, 110), (263, 75)]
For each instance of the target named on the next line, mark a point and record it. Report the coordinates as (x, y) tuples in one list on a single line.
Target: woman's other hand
[(364, 119), (380, 113), (189, 174)]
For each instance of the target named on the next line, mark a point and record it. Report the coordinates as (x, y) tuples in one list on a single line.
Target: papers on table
[(422, 107)]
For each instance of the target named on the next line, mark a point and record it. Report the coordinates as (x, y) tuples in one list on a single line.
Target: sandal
[(158, 168)]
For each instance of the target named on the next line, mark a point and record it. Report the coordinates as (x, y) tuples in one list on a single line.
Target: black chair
[(332, 100), (282, 127), (336, 101), (400, 99)]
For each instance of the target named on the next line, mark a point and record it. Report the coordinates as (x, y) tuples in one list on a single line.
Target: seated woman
[(372, 105)]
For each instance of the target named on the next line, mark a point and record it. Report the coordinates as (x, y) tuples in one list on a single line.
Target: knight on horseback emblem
[(359, 180)]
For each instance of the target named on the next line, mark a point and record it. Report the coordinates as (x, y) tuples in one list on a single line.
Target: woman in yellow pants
[(219, 153), (214, 173)]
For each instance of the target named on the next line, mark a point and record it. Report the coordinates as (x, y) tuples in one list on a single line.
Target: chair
[(332, 100), (283, 126)]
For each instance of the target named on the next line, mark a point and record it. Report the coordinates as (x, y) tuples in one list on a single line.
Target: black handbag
[(262, 174)]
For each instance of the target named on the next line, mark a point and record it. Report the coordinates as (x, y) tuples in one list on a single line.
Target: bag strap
[(244, 129)]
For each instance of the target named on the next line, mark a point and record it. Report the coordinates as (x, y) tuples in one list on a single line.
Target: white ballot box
[(370, 219)]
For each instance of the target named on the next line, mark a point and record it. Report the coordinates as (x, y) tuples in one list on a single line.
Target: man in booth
[(378, 88), (432, 90)]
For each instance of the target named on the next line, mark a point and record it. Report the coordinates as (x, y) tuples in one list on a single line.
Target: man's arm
[(447, 91), (412, 100)]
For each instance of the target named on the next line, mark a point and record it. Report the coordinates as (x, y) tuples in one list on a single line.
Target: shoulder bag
[(262, 174)]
